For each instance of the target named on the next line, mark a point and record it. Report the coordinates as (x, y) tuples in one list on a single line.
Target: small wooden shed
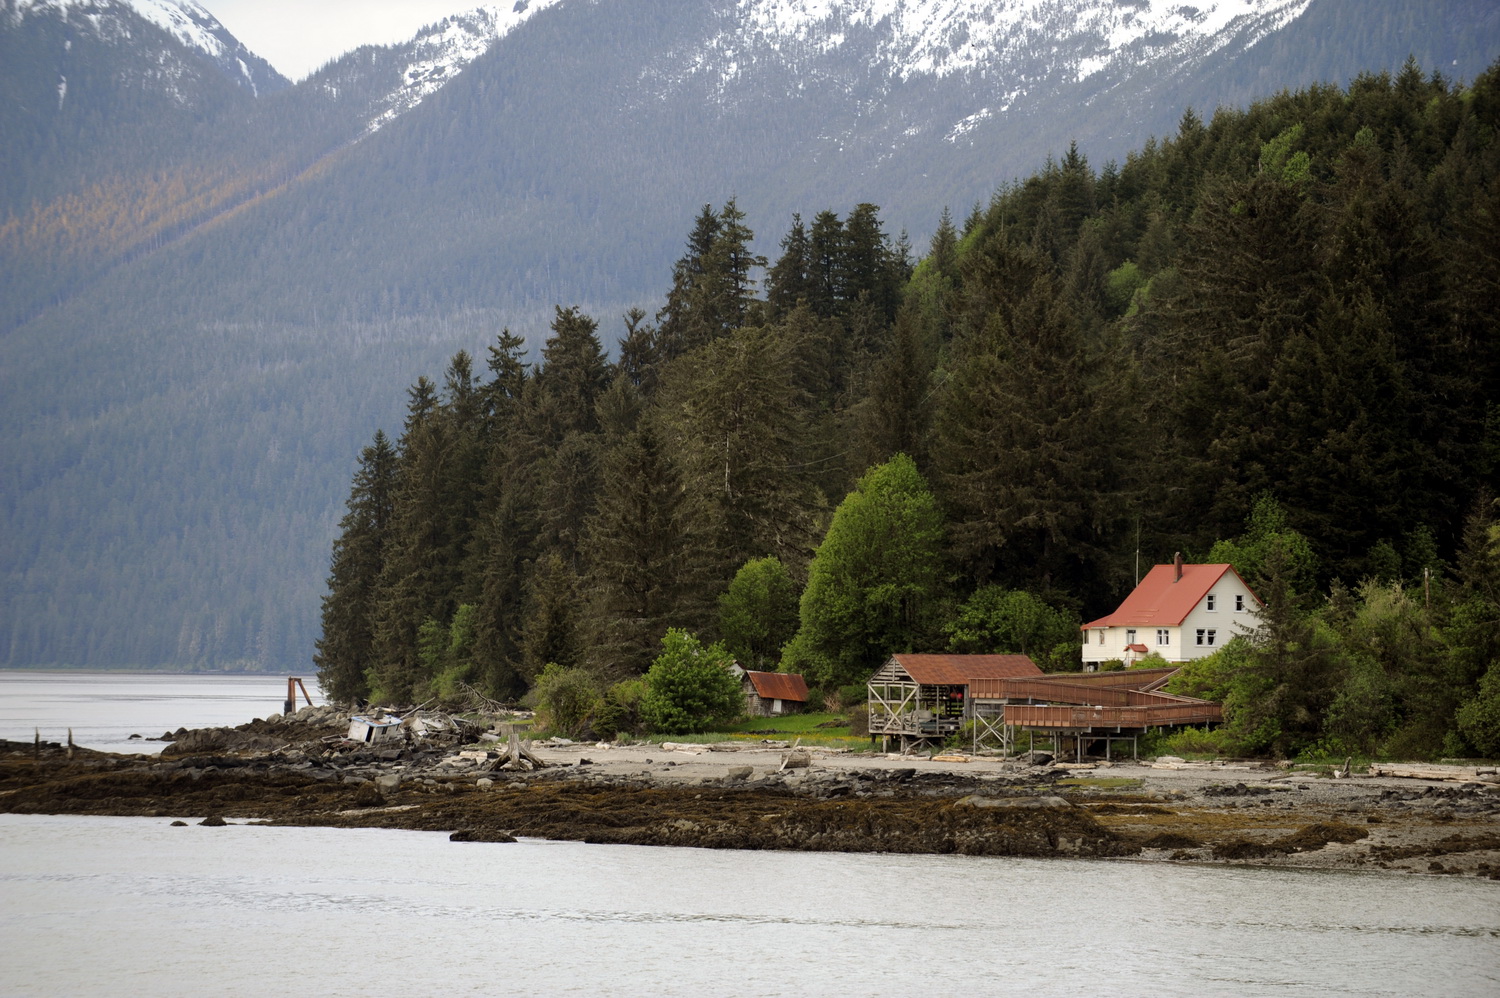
[(921, 698), (768, 694)]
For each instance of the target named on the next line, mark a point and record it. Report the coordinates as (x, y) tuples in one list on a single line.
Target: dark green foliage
[(549, 631), (1268, 340), (690, 687), (639, 550), (345, 652), (1030, 430)]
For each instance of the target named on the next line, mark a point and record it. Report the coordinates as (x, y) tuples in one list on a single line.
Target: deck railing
[(1084, 718)]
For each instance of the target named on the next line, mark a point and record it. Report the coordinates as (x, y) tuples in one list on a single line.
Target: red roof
[(1162, 600), (1138, 649), (779, 685), (957, 670)]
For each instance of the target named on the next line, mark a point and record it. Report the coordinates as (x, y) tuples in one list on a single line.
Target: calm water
[(105, 708), (112, 906)]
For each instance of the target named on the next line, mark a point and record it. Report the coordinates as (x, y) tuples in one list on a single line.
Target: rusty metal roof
[(957, 670), (779, 685)]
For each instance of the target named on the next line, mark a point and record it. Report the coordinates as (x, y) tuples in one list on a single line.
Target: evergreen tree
[(734, 418), (789, 280), (637, 551), (679, 322), (345, 652), (574, 374), (1029, 430), (550, 626)]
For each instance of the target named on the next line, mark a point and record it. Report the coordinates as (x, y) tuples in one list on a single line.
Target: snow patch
[(942, 37), (443, 50), (968, 124)]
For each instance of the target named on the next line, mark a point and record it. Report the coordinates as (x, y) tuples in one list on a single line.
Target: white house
[(1181, 612)]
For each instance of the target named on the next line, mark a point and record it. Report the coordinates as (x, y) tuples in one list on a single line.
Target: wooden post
[(36, 744), (70, 743)]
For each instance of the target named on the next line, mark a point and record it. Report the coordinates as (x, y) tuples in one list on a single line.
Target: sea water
[(112, 906), (104, 709)]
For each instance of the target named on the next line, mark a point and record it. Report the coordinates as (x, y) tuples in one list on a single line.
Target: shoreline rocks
[(741, 799)]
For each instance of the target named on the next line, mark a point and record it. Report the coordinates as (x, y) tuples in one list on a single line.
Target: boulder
[(368, 795), (796, 759)]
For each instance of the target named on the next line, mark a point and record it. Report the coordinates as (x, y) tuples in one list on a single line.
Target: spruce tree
[(638, 549), (1029, 431), (345, 652)]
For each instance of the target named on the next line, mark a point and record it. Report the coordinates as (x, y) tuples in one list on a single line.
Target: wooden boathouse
[(1086, 708), (921, 699)]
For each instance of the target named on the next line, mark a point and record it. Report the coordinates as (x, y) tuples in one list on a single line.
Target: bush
[(620, 710), (1185, 742), (566, 700), (690, 687), (854, 694)]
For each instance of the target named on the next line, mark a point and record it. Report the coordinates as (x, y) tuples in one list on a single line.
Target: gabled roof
[(779, 685), (957, 670), (1162, 600)]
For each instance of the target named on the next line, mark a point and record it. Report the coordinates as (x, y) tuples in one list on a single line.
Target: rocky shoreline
[(298, 770)]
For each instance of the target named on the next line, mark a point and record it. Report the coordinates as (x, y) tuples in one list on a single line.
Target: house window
[(1239, 603), (1100, 632), (1163, 636), (1212, 602), (1130, 636), (1206, 636)]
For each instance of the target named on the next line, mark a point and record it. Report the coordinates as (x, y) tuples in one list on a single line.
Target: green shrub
[(566, 700), (620, 710), (690, 687)]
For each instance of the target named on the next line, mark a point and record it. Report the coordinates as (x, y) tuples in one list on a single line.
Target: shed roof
[(779, 685), (1162, 600), (957, 670)]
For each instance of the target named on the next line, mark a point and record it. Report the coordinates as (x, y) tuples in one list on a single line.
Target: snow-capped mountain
[(119, 22), (943, 37), (1022, 47), (441, 51)]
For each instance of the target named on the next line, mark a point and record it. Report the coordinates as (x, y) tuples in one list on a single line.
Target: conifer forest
[(1269, 339)]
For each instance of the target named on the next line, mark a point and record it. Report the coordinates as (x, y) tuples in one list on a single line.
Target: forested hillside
[(209, 277), (1270, 338)]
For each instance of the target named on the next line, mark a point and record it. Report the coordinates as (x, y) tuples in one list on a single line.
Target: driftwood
[(480, 701), (517, 755), (1431, 771)]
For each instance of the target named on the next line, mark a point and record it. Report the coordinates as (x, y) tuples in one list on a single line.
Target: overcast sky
[(298, 36)]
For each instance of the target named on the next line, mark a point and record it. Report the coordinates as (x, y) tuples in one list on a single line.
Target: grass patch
[(1102, 782), (806, 728), (794, 724)]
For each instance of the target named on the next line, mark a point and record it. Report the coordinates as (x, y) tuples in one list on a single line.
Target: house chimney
[(1177, 566)]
